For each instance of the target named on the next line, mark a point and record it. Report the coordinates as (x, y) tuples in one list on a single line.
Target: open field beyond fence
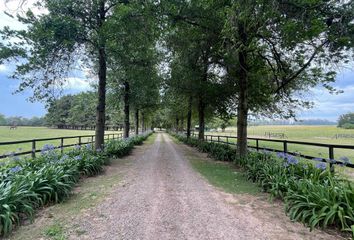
[(312, 134), (29, 133)]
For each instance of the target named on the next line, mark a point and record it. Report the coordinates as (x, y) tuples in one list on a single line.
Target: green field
[(314, 134), (28, 133)]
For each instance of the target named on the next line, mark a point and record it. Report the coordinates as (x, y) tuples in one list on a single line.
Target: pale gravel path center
[(164, 198)]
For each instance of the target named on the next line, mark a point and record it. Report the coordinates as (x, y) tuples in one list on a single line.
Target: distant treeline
[(288, 122), (346, 121), (21, 121), (79, 110)]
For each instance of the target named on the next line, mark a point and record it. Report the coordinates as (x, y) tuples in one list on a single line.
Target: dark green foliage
[(314, 196), (119, 148), (346, 121), (220, 152), (26, 185)]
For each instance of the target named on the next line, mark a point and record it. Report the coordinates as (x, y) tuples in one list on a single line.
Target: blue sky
[(327, 106), (18, 104)]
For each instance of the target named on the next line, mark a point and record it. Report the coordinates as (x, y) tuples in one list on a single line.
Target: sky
[(17, 104), (327, 106)]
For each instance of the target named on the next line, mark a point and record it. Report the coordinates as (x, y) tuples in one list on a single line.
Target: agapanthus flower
[(88, 146), (15, 169), (281, 155), (331, 161), (78, 157), (317, 159), (344, 159), (77, 147), (47, 148), (16, 158), (292, 160), (64, 157), (322, 166)]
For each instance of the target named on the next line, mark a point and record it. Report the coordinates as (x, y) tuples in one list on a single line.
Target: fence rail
[(34, 142), (331, 147)]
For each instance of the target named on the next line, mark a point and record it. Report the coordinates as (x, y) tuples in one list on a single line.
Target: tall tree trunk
[(126, 109), (143, 122), (182, 124), (242, 108), (136, 121), (201, 100), (189, 117), (102, 78), (201, 117), (177, 124)]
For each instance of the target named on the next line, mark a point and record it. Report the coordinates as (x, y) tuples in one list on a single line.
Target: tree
[(59, 111), (276, 49), (346, 120), (2, 120), (133, 75), (194, 39), (69, 33)]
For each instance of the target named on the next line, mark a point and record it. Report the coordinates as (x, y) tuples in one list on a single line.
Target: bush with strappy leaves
[(27, 184), (312, 194)]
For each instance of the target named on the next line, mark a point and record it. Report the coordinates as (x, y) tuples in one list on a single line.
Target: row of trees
[(252, 57), (115, 38), (21, 121), (190, 59)]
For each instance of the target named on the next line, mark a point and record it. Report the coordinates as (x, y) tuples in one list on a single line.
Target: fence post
[(285, 144), (227, 140), (79, 141), (33, 148), (257, 145), (331, 158), (218, 139), (62, 145)]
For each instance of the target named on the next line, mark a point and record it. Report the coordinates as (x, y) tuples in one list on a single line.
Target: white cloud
[(14, 7), (3, 68), (330, 106), (75, 83)]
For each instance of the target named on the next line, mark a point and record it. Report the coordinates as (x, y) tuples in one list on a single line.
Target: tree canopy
[(181, 64)]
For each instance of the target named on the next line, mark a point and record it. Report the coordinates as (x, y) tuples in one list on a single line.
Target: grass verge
[(225, 176)]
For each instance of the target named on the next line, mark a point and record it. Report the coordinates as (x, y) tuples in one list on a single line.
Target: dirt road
[(164, 198)]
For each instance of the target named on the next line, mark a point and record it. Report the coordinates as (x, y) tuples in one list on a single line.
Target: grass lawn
[(224, 176), (28, 133)]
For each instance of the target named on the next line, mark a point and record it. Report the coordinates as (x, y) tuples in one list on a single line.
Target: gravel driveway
[(164, 198)]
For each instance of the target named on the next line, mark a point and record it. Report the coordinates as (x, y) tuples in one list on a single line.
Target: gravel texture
[(164, 198)]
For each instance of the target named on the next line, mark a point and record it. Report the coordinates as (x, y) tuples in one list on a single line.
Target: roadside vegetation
[(311, 193), (27, 185)]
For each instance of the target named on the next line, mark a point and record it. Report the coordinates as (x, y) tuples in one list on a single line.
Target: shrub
[(312, 194), (28, 184), (220, 152)]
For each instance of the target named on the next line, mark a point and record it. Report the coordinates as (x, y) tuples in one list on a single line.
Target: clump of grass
[(55, 232)]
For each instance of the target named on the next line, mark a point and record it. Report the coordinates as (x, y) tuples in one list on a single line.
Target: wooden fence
[(231, 140), (62, 145)]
